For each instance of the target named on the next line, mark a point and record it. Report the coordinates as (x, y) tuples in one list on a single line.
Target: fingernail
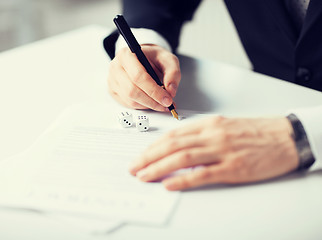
[(132, 168), (166, 101), (173, 89), (142, 175)]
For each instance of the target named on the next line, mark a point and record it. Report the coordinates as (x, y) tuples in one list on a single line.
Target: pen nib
[(174, 114)]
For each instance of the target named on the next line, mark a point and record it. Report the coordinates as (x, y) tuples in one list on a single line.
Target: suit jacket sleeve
[(163, 16)]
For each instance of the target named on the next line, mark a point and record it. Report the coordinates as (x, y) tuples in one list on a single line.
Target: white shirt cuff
[(144, 36), (311, 119)]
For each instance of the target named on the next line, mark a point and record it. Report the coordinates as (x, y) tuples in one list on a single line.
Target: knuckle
[(217, 121), (185, 158), (205, 174), (154, 106), (172, 144), (170, 135), (173, 133), (139, 77), (184, 182), (133, 93), (154, 93), (222, 136), (134, 105)]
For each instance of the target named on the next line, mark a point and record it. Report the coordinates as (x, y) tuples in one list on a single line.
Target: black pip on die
[(142, 123), (125, 119)]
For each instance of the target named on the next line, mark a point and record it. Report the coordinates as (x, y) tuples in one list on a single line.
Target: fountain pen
[(135, 47)]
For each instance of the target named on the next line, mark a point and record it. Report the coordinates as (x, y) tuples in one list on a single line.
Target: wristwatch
[(306, 157)]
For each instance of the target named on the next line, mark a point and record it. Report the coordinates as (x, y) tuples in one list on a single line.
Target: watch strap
[(305, 154)]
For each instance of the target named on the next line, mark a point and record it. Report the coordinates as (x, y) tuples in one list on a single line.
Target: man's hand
[(131, 85), (230, 151)]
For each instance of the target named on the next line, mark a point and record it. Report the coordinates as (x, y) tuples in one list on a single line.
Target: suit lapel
[(313, 13), (282, 19)]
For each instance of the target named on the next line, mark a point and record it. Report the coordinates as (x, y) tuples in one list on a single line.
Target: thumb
[(170, 68), (167, 65)]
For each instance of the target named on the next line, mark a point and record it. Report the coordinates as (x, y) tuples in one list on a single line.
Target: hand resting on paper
[(231, 150), (130, 84)]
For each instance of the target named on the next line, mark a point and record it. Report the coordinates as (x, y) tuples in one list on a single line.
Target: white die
[(125, 119), (142, 123)]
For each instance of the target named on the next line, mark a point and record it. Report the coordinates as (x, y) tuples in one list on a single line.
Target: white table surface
[(39, 80)]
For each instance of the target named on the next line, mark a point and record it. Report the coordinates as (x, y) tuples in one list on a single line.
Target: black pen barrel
[(146, 64)]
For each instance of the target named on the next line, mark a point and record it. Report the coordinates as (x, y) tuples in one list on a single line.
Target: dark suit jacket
[(271, 41)]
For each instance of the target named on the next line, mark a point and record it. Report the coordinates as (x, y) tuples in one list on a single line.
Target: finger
[(144, 81), (115, 73), (132, 95), (126, 104), (141, 99), (163, 149), (189, 129), (215, 173), (157, 71), (194, 128), (173, 141), (179, 160), (169, 65)]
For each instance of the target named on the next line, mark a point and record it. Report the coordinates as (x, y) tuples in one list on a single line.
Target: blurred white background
[(24, 21)]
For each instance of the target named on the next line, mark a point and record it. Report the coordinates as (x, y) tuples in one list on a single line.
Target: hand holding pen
[(131, 84)]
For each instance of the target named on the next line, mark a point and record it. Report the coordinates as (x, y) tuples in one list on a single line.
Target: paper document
[(81, 166)]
